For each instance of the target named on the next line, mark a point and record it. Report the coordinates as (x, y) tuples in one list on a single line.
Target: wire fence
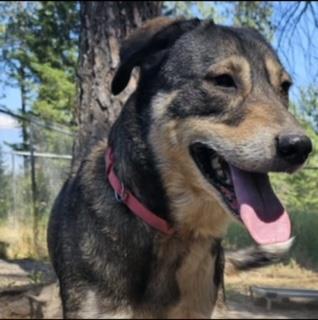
[(30, 179)]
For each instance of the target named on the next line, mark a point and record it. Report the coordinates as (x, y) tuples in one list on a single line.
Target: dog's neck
[(136, 168), (134, 161)]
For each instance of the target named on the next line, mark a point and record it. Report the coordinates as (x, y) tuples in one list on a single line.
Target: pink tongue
[(260, 209)]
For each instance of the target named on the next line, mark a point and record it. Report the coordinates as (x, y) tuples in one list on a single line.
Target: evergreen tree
[(39, 43)]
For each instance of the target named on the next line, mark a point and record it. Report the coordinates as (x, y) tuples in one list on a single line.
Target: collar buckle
[(122, 195)]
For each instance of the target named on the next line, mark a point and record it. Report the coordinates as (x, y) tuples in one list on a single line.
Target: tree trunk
[(25, 137), (103, 26)]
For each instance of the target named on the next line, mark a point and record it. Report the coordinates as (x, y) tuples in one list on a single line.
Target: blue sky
[(9, 132), (293, 58)]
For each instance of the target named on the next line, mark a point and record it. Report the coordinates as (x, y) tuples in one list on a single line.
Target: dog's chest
[(195, 281)]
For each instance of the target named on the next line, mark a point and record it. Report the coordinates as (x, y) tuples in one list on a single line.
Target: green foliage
[(56, 94), (255, 14), (55, 45), (305, 226), (203, 10), (39, 55), (54, 38), (15, 56), (309, 105)]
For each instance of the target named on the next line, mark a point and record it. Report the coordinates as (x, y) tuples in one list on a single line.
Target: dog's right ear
[(156, 35)]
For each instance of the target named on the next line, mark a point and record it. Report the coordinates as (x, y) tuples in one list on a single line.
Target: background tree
[(255, 14), (54, 44), (187, 9), (103, 26), (297, 27), (38, 55), (14, 58)]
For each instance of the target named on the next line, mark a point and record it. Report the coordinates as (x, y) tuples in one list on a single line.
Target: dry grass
[(19, 237), (17, 242), (281, 276)]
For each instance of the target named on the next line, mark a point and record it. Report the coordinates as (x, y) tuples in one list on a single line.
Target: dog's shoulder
[(93, 168)]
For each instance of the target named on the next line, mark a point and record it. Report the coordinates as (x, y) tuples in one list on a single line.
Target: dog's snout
[(294, 148)]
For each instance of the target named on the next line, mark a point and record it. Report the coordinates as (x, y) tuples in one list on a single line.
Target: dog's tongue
[(260, 210)]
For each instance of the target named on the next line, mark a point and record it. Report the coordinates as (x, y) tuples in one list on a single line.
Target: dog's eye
[(285, 87), (222, 80)]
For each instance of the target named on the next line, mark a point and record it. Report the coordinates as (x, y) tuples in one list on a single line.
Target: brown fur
[(195, 280), (236, 66), (195, 212), (111, 263), (275, 72)]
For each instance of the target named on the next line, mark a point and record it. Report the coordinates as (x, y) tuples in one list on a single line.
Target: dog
[(136, 232)]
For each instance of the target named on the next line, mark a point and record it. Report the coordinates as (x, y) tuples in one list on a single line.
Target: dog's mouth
[(217, 172), (248, 195)]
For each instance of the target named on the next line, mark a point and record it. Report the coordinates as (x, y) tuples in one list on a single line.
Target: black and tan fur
[(109, 262)]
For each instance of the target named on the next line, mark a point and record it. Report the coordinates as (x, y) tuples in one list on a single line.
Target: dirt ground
[(23, 295), (240, 305)]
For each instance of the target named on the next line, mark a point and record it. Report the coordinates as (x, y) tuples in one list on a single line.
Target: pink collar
[(131, 201)]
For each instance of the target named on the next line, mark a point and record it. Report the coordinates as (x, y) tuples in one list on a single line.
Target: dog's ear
[(155, 35)]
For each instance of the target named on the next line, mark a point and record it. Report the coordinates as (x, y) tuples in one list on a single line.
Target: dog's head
[(214, 100)]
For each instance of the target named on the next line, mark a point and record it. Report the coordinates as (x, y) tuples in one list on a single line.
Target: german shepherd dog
[(193, 146)]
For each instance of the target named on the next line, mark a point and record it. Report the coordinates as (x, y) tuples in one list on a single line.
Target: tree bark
[(103, 26)]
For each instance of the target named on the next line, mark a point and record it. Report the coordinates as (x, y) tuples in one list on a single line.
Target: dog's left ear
[(156, 35)]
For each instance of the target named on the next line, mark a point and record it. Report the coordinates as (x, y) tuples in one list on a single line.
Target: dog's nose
[(294, 148)]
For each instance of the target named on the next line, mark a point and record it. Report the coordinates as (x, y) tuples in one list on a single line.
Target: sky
[(10, 131), (291, 55)]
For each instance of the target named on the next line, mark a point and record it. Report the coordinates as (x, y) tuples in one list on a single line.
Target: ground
[(23, 295), (241, 306)]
